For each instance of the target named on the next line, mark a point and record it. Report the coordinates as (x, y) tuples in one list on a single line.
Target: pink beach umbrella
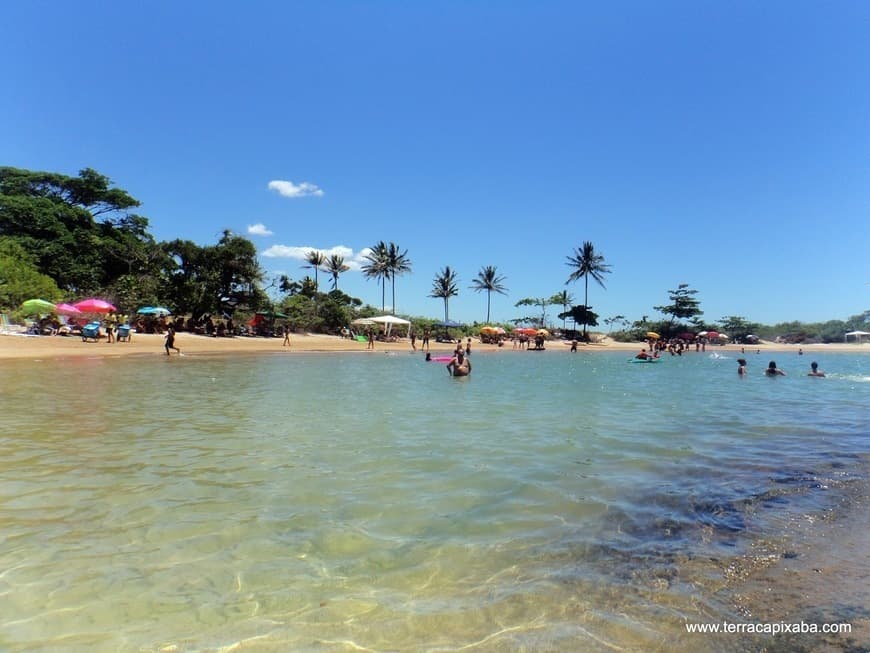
[(67, 309), (93, 305)]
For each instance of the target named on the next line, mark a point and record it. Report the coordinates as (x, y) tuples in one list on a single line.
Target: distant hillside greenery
[(65, 238)]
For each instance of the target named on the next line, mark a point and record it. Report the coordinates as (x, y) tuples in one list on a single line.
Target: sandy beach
[(59, 347)]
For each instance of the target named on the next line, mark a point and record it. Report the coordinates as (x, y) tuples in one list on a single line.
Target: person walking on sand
[(424, 344), (286, 342), (170, 341), (371, 338), (413, 335)]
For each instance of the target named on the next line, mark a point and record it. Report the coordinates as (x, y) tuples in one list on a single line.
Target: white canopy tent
[(389, 321), (857, 335)]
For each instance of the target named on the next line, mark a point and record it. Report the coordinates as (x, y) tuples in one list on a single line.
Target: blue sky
[(722, 145)]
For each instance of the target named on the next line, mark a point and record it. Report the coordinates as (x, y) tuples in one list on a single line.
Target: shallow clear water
[(371, 502)]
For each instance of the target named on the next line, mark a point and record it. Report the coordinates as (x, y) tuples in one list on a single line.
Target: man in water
[(814, 370)]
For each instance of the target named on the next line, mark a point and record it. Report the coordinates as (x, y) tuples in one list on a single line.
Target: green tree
[(315, 259), (397, 263), (20, 279), (335, 265), (737, 327), (208, 279), (615, 319), (444, 286), (563, 299), (683, 304), (543, 302), (376, 266), (582, 315), (489, 280), (587, 262), (54, 217)]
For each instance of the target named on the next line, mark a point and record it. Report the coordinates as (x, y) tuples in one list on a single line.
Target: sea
[(369, 501)]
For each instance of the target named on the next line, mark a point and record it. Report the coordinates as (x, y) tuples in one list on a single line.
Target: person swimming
[(773, 370), (814, 370)]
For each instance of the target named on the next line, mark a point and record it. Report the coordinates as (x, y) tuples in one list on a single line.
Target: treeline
[(63, 238)]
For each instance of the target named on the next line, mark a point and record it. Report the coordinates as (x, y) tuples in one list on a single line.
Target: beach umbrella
[(711, 334), (704, 333), (34, 306), (542, 332), (94, 305), (67, 309), (488, 330), (653, 335), (526, 331), (154, 310)]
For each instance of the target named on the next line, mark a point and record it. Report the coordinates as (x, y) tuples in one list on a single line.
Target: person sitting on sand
[(741, 367), (814, 370), (460, 364), (773, 370)]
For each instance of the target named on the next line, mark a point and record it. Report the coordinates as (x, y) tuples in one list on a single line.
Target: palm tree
[(444, 286), (489, 280), (397, 263), (335, 266), (376, 268), (315, 259), (587, 263), (563, 299)]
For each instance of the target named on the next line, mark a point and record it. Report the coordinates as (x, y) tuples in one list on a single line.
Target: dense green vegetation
[(64, 238)]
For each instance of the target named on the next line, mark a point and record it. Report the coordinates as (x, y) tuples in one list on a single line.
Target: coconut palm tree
[(587, 263), (315, 259), (375, 267), (489, 280), (563, 299), (335, 266), (444, 286), (397, 263)]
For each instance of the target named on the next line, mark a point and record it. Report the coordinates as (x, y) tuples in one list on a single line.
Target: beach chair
[(91, 331), (124, 333)]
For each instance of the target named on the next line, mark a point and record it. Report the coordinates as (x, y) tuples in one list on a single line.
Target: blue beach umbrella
[(154, 310)]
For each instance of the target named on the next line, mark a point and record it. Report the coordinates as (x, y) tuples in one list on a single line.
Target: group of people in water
[(773, 370)]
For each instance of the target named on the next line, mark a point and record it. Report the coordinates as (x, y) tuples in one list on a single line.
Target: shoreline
[(142, 344)]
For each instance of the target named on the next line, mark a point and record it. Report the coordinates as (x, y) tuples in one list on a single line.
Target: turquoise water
[(346, 502)]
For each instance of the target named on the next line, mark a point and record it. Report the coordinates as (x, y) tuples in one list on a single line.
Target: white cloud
[(351, 259), (258, 229), (289, 189)]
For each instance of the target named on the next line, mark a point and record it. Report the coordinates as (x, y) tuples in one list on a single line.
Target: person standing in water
[(773, 370), (814, 370), (460, 365), (741, 367)]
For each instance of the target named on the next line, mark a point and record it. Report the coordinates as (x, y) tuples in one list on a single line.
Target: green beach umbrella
[(34, 306)]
